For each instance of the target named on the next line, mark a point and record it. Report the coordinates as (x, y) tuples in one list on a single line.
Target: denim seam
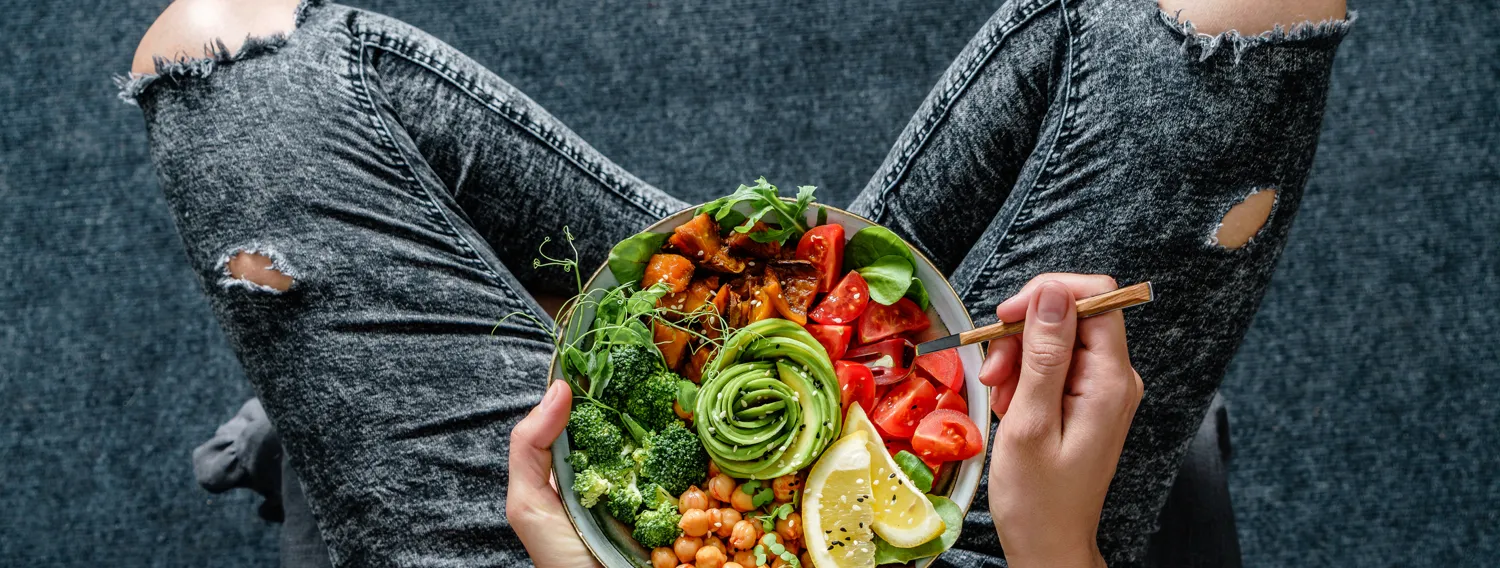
[(436, 212), (915, 143), (1065, 120), (468, 85)]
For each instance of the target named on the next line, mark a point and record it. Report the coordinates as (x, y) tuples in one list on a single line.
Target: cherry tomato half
[(823, 246), (845, 303), (949, 399), (834, 338), (942, 367), (946, 435), (856, 384), (889, 360), (904, 407), (881, 321)]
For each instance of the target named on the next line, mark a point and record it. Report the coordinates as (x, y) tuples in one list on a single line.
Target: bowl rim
[(984, 432)]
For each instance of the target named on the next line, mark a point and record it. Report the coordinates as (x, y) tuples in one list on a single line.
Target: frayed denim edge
[(1210, 44), (228, 281), (132, 84)]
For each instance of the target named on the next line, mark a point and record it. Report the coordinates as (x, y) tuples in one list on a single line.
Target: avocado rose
[(769, 403)]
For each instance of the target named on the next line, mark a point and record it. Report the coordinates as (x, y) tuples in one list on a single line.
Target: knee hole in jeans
[(257, 270), (1243, 221)]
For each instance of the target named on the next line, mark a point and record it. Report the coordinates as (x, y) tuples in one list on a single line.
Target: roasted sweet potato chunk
[(744, 244), (699, 241), (675, 270), (671, 341), (692, 299), (799, 283)]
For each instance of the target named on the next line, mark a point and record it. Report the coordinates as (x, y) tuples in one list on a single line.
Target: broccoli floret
[(632, 365), (675, 459), (625, 500), (579, 459), (590, 486), (596, 434), (650, 404), (657, 527)]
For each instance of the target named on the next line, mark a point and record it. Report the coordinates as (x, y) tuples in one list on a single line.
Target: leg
[(1138, 164), (345, 270)]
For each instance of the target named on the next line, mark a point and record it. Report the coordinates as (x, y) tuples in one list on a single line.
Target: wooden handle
[(1133, 295)]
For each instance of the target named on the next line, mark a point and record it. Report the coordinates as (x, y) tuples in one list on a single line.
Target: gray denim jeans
[(404, 189)]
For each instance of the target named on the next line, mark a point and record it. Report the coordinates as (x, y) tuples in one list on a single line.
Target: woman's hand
[(1066, 393), (532, 505)]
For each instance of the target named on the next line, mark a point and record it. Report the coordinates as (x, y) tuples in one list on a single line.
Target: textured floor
[(1364, 408)]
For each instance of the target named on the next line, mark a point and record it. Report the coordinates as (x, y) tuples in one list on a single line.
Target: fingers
[(1082, 285), (999, 372), (1046, 353), (530, 490)]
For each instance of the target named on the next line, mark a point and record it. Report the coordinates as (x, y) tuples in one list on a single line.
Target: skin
[(1251, 17), (187, 27), (1066, 394)]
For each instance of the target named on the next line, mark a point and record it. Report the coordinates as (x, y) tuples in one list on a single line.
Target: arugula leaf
[(915, 469), (918, 293), (870, 243), (953, 521), (789, 219), (888, 277), (627, 260)]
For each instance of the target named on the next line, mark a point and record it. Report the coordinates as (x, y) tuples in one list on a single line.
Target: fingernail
[(1053, 304)]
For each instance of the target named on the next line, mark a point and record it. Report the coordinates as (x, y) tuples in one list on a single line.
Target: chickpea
[(715, 520), (714, 541), (790, 528), (686, 548), (733, 565), (747, 558), (710, 557), (662, 557), (713, 469), (792, 545), (693, 498), (806, 558), (779, 563), (741, 501), (728, 518), (743, 537), (785, 485), (694, 522), (721, 487)]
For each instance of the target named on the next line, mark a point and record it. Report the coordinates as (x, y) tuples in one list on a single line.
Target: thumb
[(531, 450), (1046, 354)]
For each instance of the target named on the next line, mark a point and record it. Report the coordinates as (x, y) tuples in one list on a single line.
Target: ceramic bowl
[(610, 540)]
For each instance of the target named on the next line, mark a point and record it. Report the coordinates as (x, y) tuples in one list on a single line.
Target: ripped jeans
[(400, 190)]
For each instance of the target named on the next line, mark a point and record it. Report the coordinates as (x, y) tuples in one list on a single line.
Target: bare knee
[(188, 28), (1243, 221), (257, 268), (1251, 17)]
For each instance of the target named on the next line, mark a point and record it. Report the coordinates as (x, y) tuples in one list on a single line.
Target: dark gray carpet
[(1364, 408)]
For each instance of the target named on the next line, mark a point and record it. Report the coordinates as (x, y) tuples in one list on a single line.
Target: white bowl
[(610, 540)]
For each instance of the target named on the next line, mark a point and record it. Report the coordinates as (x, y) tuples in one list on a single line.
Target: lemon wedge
[(837, 506), (904, 517)]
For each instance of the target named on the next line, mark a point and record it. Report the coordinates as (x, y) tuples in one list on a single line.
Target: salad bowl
[(610, 541)]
